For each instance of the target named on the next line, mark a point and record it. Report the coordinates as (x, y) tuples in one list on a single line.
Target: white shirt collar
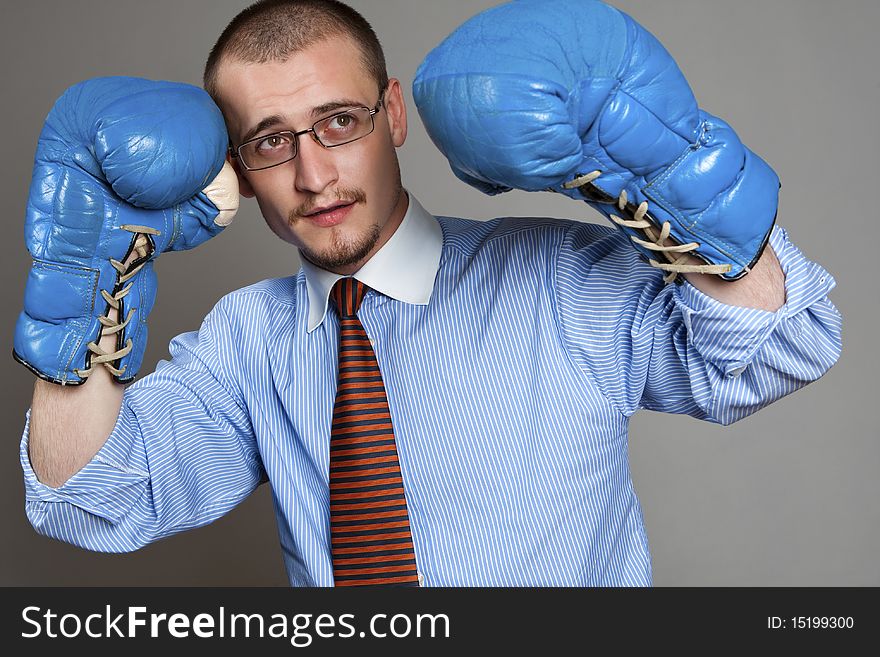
[(403, 269)]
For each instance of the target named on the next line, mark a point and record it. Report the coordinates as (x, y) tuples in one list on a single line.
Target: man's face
[(337, 205)]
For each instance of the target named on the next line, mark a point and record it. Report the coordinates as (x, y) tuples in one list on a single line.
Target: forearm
[(180, 452), (753, 357), (762, 288), (70, 424)]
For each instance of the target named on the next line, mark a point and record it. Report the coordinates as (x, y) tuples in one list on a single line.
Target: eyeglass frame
[(235, 152)]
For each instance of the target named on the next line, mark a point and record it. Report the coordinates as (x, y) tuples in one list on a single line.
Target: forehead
[(328, 70)]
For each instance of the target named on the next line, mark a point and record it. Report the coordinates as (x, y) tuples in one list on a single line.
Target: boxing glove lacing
[(141, 249), (676, 254)]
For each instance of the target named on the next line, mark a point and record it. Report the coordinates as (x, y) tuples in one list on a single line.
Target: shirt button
[(421, 579), (734, 373)]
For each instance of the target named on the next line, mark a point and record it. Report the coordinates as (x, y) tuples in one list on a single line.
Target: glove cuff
[(716, 201), (67, 312)]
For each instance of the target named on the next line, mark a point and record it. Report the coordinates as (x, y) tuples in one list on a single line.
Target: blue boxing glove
[(125, 169), (576, 97)]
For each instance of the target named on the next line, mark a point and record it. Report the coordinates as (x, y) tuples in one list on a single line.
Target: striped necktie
[(369, 525)]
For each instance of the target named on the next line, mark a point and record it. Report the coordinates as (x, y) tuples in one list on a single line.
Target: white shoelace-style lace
[(676, 254), (141, 249)]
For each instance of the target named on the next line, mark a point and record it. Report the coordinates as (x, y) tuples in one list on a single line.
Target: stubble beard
[(345, 249)]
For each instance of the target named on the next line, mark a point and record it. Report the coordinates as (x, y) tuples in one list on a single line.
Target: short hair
[(273, 30)]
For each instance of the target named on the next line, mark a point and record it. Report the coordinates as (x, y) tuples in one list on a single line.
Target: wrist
[(762, 288)]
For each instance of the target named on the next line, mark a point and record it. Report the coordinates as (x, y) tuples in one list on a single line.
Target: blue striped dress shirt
[(514, 352)]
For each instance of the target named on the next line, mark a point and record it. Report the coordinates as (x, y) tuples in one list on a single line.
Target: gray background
[(786, 497)]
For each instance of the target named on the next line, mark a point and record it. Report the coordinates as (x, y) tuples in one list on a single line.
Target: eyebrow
[(333, 105), (315, 113), (268, 122)]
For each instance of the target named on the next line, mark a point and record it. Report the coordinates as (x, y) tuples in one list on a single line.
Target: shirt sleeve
[(674, 349), (182, 454)]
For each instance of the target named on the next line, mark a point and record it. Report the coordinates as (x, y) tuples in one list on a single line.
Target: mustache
[(341, 195)]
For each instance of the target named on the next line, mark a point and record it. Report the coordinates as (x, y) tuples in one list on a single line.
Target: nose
[(315, 166)]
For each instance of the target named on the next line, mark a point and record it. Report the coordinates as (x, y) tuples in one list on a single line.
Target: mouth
[(329, 215)]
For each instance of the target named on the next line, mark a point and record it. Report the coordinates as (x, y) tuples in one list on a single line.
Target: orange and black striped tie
[(369, 526)]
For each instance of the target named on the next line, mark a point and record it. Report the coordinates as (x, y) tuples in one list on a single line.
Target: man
[(511, 355)]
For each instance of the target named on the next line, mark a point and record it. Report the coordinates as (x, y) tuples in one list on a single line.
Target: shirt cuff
[(106, 487), (730, 336)]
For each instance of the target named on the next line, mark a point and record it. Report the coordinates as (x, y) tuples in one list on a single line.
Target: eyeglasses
[(280, 147)]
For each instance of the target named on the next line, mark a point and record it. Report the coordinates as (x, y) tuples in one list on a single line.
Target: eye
[(342, 122), (272, 143)]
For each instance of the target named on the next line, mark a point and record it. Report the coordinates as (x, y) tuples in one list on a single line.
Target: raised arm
[(677, 349), (125, 169)]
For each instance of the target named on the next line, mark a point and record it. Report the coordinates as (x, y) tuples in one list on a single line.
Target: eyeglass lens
[(280, 147)]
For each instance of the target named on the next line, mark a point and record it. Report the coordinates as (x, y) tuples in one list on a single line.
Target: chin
[(344, 250)]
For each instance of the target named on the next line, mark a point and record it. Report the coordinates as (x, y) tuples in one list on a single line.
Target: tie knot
[(348, 294)]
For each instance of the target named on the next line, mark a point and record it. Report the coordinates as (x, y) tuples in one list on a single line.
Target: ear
[(244, 187), (396, 109)]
